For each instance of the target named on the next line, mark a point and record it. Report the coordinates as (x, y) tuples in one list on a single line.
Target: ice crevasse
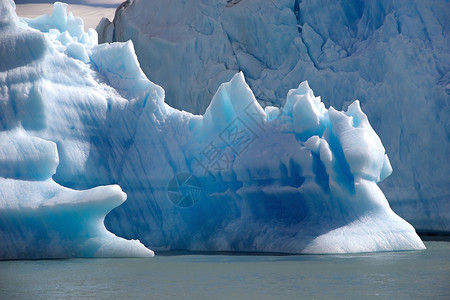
[(81, 125)]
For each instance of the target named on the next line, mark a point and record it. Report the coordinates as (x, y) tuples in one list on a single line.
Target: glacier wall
[(394, 56), (80, 122)]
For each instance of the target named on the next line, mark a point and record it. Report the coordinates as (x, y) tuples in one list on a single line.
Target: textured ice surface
[(78, 120), (394, 56), (38, 217)]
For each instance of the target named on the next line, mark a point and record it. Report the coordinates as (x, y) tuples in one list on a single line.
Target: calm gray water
[(400, 275)]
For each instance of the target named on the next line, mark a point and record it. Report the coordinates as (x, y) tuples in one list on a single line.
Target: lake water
[(398, 275)]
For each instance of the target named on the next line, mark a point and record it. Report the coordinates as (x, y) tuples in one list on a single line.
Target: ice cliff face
[(394, 56), (78, 120)]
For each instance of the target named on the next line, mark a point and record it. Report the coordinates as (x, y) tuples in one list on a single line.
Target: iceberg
[(394, 56), (82, 128), (40, 218)]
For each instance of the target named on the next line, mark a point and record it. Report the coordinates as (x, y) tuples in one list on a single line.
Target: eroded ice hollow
[(80, 123)]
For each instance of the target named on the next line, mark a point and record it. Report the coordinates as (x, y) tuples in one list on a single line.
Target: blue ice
[(83, 129)]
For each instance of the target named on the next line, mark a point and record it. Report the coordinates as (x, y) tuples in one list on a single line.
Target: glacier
[(82, 129), (394, 56)]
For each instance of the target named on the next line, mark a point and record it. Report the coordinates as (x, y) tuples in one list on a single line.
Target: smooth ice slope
[(394, 56), (38, 217), (297, 179)]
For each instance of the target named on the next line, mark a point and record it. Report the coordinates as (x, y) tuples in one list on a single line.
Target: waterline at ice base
[(81, 126)]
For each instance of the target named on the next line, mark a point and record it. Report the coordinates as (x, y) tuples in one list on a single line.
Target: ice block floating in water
[(79, 120)]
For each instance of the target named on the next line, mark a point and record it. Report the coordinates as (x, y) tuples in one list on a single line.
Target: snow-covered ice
[(81, 125), (394, 56)]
